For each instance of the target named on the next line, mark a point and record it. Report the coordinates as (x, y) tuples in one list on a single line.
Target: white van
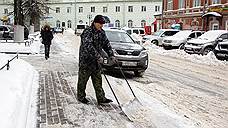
[(139, 31), (79, 29)]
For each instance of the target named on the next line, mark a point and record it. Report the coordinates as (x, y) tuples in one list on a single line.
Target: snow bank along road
[(197, 93)]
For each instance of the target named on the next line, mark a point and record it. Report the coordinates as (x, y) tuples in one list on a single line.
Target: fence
[(26, 42), (7, 64)]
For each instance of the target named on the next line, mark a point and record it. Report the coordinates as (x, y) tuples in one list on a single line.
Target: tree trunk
[(18, 21)]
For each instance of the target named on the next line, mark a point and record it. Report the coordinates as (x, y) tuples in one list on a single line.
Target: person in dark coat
[(47, 36), (93, 40)]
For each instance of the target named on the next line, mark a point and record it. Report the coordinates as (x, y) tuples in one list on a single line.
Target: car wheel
[(207, 50), (139, 73), (154, 42), (181, 47)]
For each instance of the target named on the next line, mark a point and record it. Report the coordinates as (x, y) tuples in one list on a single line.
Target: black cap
[(99, 19)]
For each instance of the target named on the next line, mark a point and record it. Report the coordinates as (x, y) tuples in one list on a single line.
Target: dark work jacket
[(92, 43), (47, 36)]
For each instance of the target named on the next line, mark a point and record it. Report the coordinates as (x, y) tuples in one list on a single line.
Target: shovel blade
[(132, 109)]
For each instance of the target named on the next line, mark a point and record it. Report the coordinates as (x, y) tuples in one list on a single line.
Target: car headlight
[(143, 53)]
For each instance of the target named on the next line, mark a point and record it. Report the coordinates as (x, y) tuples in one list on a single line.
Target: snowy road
[(175, 92), (196, 91)]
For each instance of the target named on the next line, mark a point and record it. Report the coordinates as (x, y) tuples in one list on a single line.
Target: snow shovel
[(115, 95), (133, 107)]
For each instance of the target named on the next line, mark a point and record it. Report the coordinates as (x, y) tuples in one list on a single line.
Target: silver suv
[(206, 42), (158, 36)]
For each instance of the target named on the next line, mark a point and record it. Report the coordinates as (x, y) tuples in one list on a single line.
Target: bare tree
[(18, 13)]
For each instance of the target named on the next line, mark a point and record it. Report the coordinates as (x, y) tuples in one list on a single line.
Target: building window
[(181, 4), (170, 5), (143, 23), (69, 24), (6, 11), (117, 23), (143, 9), (117, 8), (216, 2), (215, 26), (105, 9), (57, 9), (130, 8), (130, 23), (57, 23), (68, 9), (196, 3), (157, 8), (92, 9), (80, 9)]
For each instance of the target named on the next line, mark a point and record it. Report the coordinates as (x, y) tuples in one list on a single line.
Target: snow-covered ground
[(18, 88), (178, 90)]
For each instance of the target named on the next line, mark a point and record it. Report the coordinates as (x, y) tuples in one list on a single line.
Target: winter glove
[(100, 60)]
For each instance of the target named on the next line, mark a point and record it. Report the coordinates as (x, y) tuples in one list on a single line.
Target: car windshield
[(210, 35), (183, 34), (115, 36), (158, 32)]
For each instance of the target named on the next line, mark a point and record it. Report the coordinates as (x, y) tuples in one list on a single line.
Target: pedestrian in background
[(47, 37), (93, 40), (62, 30)]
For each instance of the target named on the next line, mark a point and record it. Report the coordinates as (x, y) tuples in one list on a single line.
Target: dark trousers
[(47, 50), (83, 77)]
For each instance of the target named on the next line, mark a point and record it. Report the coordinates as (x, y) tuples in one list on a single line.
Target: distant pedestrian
[(93, 40), (62, 30), (47, 36)]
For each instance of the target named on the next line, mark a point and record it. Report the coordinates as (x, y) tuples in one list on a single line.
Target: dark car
[(221, 50), (7, 32), (130, 55)]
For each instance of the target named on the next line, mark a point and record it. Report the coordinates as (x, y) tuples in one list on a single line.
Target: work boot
[(84, 100), (105, 101)]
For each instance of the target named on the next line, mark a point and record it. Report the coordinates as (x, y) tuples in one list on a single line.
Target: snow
[(16, 87), (209, 59), (19, 85), (21, 47)]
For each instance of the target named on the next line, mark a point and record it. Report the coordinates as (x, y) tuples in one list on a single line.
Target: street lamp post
[(89, 17), (75, 19)]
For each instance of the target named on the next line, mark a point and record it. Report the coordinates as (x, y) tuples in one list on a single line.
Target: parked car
[(221, 50), (179, 39), (206, 42), (138, 31), (7, 32), (158, 36), (80, 28), (130, 55), (4, 32), (57, 30)]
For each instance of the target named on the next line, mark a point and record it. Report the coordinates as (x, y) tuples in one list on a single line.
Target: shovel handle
[(125, 79), (109, 85)]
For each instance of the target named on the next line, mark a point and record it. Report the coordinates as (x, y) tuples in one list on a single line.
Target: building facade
[(194, 14), (69, 13)]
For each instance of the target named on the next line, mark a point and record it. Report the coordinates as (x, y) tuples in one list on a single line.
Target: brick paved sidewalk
[(54, 92)]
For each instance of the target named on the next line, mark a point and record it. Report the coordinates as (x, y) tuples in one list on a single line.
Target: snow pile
[(69, 31), (16, 94), (209, 59)]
